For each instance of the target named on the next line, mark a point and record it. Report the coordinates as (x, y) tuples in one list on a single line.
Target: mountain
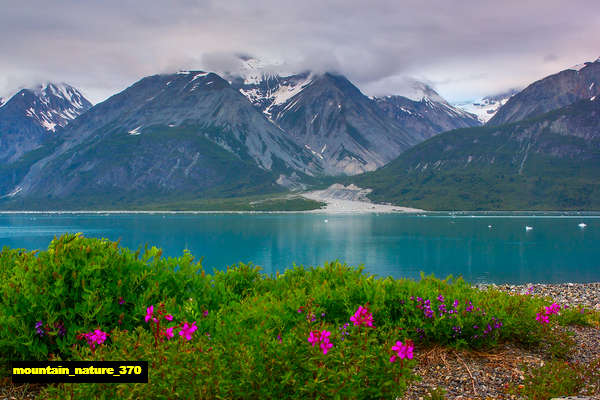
[(167, 136), (553, 92), (350, 132), (29, 117), (486, 107), (330, 117), (549, 162), (424, 112)]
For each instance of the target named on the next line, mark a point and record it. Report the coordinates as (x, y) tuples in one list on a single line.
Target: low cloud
[(465, 49)]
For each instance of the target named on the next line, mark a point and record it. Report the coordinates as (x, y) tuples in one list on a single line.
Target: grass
[(251, 340)]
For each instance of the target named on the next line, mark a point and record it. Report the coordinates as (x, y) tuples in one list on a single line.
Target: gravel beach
[(571, 294)]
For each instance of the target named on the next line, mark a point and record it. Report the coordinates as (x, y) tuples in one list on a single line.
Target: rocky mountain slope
[(350, 132), (553, 92), (548, 162), (31, 116), (425, 112), (184, 134)]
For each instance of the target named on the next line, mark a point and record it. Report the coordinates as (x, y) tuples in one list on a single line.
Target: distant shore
[(351, 199)]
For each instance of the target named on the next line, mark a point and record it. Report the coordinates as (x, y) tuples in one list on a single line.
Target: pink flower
[(542, 319), (205, 313), (325, 346), (100, 336), (95, 337), (187, 330), (316, 337), (402, 351), (169, 332), (169, 317), (552, 309), (362, 316), (149, 312)]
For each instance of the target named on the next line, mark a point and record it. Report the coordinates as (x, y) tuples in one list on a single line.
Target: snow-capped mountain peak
[(29, 117), (51, 105), (268, 90), (62, 91)]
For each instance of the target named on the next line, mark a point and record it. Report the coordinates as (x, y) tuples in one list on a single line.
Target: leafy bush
[(249, 333), (80, 284)]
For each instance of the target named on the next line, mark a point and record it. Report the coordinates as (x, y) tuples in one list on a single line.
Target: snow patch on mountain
[(284, 92)]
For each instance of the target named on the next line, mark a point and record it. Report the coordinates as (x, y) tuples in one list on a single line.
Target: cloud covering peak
[(463, 49)]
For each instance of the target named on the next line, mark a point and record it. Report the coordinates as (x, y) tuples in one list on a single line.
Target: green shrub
[(79, 284), (252, 329)]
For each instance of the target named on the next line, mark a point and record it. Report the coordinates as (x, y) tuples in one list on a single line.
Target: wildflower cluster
[(425, 306), (344, 330), (39, 329), (60, 327), (186, 330), (42, 329), (93, 338), (462, 322), (494, 324), (544, 318), (402, 351), (362, 316), (321, 338)]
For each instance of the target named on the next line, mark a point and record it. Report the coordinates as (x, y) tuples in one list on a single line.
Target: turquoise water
[(555, 250)]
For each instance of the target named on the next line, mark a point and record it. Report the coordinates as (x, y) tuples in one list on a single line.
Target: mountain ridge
[(550, 93), (550, 161)]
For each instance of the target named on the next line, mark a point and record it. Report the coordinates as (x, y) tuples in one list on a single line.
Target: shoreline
[(352, 199), (395, 210), (569, 293)]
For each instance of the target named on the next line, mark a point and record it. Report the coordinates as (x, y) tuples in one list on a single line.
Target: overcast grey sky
[(465, 49)]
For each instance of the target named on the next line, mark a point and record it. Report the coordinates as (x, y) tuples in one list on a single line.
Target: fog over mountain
[(101, 47)]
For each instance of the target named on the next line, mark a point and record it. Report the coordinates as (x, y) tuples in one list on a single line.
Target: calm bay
[(482, 247)]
